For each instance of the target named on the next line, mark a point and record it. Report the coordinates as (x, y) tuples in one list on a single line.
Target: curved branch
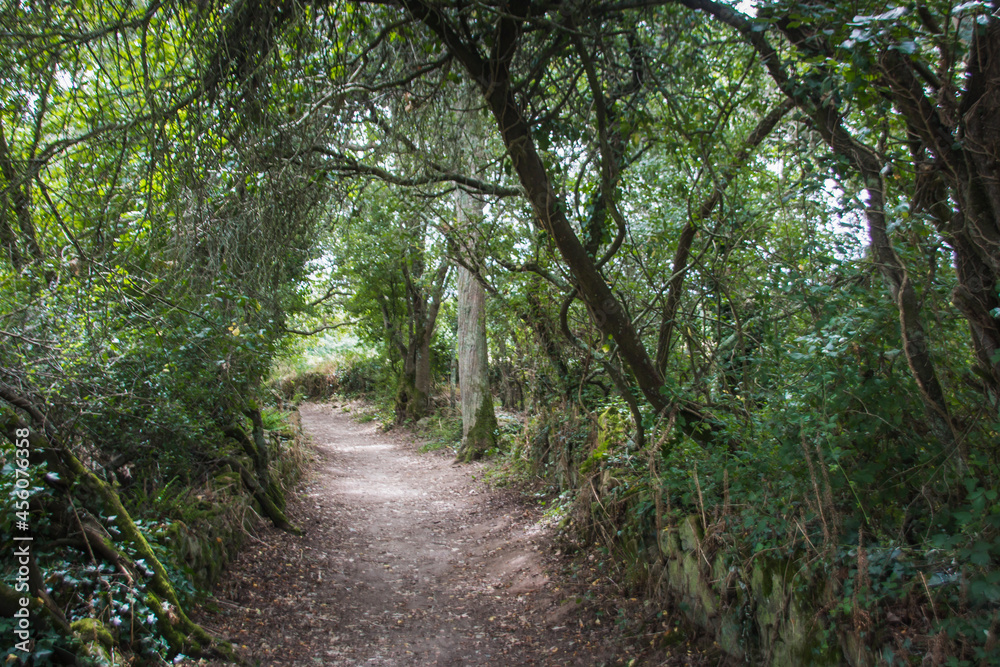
[(346, 165), (320, 329), (681, 255), (493, 78)]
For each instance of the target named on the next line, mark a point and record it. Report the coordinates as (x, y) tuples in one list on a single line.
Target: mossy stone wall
[(763, 610)]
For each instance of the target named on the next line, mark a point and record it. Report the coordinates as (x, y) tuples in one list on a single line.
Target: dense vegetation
[(739, 264)]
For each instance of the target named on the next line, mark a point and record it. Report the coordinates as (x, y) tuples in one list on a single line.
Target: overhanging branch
[(346, 165)]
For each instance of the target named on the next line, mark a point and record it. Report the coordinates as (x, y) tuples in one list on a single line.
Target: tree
[(479, 422), (478, 419), (904, 54), (146, 272), (396, 276), (492, 73), (672, 197)]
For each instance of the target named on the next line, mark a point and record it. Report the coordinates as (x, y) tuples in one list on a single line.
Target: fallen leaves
[(408, 564)]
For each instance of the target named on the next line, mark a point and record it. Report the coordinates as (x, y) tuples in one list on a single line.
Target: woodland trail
[(407, 560)]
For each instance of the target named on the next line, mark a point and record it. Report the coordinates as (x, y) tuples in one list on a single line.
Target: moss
[(276, 494), (92, 630), (205, 547), (483, 435), (167, 621), (690, 533), (411, 402), (598, 455), (768, 587), (96, 641), (612, 429), (670, 543), (228, 481), (611, 425), (790, 629), (730, 636)]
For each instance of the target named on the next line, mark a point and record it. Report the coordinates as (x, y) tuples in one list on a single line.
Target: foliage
[(740, 267)]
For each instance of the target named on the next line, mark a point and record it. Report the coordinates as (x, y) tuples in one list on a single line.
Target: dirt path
[(407, 560)]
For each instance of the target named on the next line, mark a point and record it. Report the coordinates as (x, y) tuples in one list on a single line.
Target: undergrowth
[(893, 547), (194, 525)]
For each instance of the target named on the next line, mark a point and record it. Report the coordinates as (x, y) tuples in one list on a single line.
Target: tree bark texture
[(414, 389), (478, 418)]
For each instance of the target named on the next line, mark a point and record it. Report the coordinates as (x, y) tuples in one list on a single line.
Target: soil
[(410, 559)]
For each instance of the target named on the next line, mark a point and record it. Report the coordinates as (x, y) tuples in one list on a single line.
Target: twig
[(819, 496), (930, 599), (803, 531), (701, 500)]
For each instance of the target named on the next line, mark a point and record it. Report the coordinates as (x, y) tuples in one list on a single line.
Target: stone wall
[(764, 610), (213, 526)]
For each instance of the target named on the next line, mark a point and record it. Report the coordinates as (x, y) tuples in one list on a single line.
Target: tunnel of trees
[(742, 261)]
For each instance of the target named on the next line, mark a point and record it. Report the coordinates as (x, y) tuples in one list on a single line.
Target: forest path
[(407, 560)]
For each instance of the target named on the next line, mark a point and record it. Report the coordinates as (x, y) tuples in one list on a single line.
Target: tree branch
[(680, 262), (320, 329), (346, 165)]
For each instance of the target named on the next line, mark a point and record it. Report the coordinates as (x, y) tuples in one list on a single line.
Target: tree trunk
[(8, 238), (977, 252), (422, 377), (911, 329), (452, 378), (413, 392), (478, 419), (507, 385), (963, 158)]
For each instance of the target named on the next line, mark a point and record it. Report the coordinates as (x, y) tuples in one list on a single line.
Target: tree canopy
[(767, 234)]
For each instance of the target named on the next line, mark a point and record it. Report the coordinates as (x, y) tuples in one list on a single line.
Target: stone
[(690, 533), (670, 544), (730, 636)]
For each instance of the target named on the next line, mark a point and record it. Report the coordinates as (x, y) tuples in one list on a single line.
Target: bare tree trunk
[(422, 370), (479, 422), (452, 379)]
